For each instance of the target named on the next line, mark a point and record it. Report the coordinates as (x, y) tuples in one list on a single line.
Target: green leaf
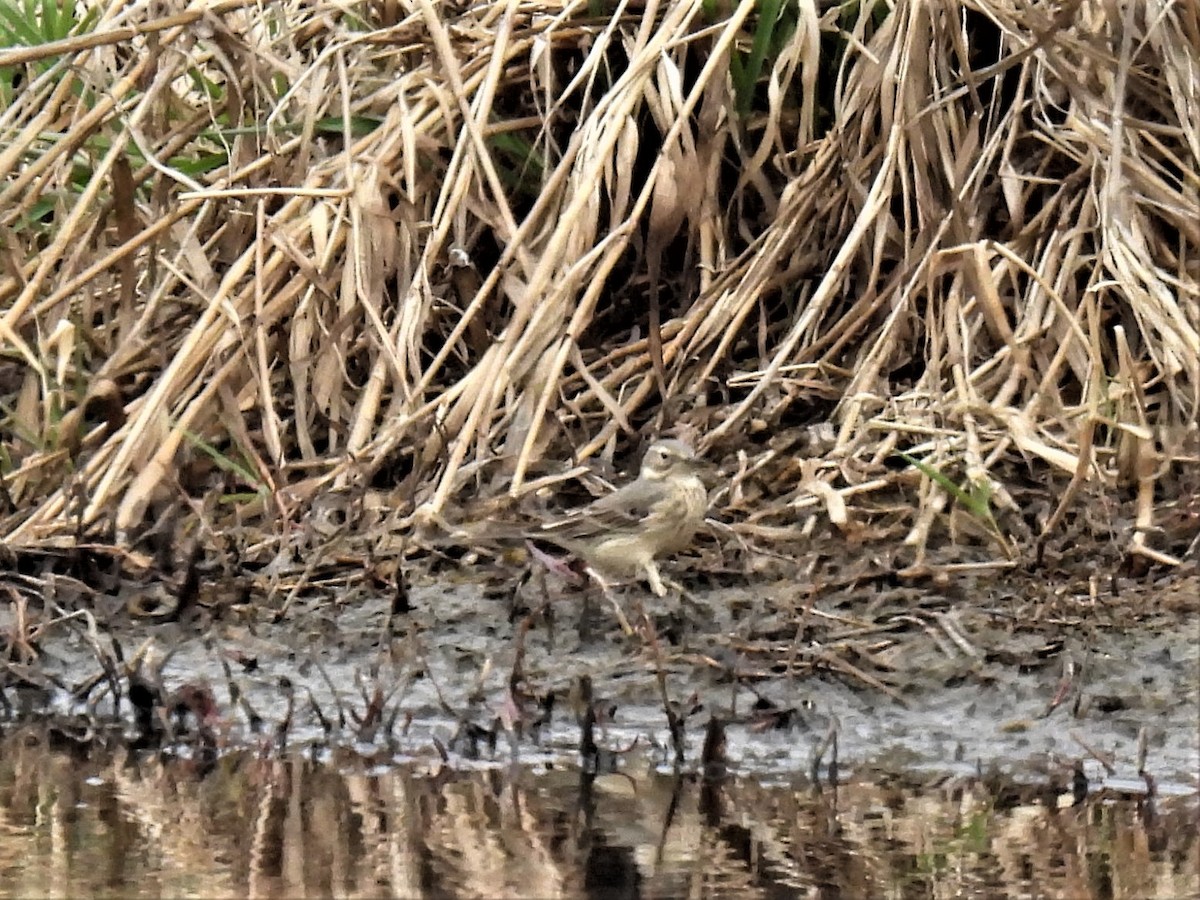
[(17, 29), (225, 463), (975, 498)]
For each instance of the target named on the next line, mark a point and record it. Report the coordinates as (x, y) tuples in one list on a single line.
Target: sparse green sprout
[(242, 470), (973, 496), (776, 20), (524, 166), (32, 23)]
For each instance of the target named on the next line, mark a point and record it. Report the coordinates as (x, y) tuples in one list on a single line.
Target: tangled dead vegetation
[(419, 252)]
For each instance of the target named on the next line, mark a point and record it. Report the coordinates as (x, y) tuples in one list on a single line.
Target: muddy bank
[(1031, 679), (482, 735)]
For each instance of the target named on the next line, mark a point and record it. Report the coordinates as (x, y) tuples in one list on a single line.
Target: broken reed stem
[(942, 266)]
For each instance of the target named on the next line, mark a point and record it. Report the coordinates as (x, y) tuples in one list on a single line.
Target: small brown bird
[(622, 534)]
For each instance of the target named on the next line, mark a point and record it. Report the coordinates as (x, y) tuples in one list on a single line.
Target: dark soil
[(1032, 675)]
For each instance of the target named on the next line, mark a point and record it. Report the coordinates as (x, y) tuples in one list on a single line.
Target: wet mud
[(1035, 681), (484, 734)]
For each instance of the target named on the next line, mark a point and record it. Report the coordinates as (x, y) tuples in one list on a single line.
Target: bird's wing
[(623, 510)]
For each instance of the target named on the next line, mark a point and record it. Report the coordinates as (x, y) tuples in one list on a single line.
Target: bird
[(623, 533)]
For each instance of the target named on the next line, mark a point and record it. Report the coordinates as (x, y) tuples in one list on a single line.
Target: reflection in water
[(74, 824)]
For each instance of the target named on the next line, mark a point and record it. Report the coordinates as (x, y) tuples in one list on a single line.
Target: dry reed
[(435, 245)]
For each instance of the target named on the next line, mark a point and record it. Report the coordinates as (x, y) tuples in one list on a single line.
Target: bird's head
[(667, 457)]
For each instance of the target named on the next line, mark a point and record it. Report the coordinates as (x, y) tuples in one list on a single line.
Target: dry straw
[(321, 244)]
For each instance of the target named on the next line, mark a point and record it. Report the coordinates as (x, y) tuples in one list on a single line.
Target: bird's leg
[(691, 610), (678, 588), (686, 600), (585, 615), (612, 600), (656, 583)]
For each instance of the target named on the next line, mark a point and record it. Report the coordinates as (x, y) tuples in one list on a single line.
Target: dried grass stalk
[(467, 239)]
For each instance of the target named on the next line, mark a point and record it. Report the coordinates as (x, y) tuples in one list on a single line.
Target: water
[(119, 823)]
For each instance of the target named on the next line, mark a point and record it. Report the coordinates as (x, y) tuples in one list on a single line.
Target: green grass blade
[(225, 463)]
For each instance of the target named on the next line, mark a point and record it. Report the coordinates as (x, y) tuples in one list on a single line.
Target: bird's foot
[(656, 582), (626, 628), (606, 589), (558, 566)]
